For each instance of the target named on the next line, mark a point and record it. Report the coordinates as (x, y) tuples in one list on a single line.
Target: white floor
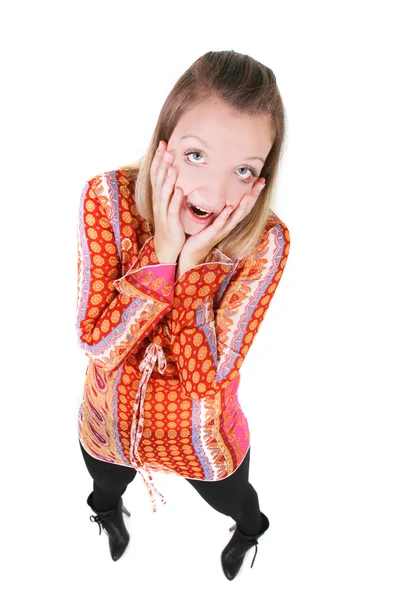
[(83, 84), (324, 542)]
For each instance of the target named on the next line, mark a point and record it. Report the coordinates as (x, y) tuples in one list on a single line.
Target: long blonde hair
[(250, 88)]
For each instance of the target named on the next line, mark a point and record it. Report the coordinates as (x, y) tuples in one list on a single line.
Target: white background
[(82, 87)]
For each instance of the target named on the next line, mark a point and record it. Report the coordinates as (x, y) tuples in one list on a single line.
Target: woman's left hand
[(199, 245)]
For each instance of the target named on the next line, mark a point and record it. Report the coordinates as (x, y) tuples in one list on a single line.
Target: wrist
[(190, 257), (185, 262), (166, 260), (164, 257)]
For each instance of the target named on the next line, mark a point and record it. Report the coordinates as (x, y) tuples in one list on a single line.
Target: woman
[(179, 257)]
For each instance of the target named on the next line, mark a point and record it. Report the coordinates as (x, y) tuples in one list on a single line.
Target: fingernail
[(160, 145)]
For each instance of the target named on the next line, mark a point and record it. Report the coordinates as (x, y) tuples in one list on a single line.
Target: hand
[(169, 234), (198, 246)]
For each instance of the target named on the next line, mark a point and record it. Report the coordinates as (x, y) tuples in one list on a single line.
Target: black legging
[(233, 496)]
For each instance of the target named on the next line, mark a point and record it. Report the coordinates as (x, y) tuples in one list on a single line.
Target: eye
[(188, 152), (253, 172)]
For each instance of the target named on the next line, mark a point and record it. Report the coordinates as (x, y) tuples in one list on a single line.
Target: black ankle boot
[(113, 524), (233, 554)]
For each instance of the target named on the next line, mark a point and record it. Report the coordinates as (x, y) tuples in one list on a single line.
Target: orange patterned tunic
[(161, 386)]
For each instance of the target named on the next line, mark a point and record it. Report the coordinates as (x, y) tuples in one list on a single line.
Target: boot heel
[(125, 510), (233, 527)]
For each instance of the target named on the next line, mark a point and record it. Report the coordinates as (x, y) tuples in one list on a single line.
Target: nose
[(213, 193)]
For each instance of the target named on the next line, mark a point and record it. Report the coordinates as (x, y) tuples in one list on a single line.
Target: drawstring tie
[(246, 541), (102, 521), (153, 353)]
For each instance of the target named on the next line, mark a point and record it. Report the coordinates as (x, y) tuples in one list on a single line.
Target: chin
[(192, 228)]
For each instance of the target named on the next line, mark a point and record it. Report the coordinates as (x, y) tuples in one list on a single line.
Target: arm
[(210, 344), (115, 312)]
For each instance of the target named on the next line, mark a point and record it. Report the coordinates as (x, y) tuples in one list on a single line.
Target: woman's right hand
[(169, 234)]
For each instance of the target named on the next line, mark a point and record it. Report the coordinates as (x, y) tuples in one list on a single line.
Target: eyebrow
[(206, 145)]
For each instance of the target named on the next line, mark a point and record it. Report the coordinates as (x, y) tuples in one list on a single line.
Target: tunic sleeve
[(210, 336), (114, 311)]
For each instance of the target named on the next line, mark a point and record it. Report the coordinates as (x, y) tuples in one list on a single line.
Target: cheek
[(184, 181), (181, 168)]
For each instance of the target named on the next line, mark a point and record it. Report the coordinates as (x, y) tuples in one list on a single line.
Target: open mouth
[(197, 214)]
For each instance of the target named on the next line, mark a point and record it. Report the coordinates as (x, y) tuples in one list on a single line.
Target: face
[(219, 159)]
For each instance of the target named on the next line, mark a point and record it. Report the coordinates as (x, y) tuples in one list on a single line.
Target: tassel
[(153, 353)]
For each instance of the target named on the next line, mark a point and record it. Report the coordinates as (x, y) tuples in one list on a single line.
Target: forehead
[(221, 127)]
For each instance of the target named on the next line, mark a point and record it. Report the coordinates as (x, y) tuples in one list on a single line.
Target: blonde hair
[(248, 87)]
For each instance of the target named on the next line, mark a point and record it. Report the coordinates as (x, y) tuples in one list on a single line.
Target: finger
[(174, 209), (167, 190), (248, 201), (161, 176), (217, 229), (159, 179), (156, 161), (254, 193), (229, 218), (176, 202), (257, 189)]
